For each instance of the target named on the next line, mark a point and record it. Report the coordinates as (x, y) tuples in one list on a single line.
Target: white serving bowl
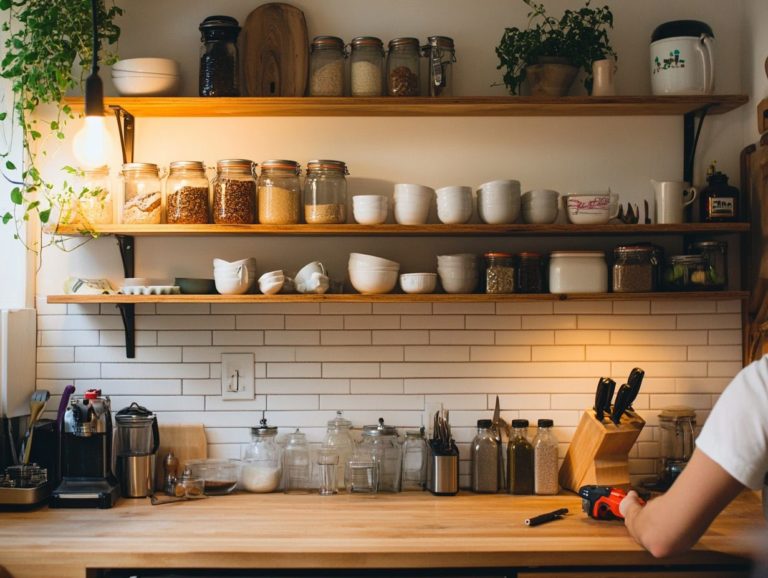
[(457, 283), (362, 260), (153, 65), (147, 85), (370, 209), (372, 282), (498, 205), (589, 209), (232, 285), (454, 204), (131, 74), (418, 282)]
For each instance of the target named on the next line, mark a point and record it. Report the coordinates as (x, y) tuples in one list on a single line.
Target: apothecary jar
[(380, 444)]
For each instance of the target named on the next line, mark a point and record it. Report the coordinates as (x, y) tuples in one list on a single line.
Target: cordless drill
[(602, 502)]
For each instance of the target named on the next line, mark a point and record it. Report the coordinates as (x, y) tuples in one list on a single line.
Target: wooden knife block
[(599, 451)]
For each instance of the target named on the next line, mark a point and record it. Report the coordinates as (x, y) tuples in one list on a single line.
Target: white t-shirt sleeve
[(736, 433)]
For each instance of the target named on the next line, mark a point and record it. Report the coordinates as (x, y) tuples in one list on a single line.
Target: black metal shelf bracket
[(126, 244), (691, 133)]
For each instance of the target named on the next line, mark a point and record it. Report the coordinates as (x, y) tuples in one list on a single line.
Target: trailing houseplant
[(579, 38), (44, 40)]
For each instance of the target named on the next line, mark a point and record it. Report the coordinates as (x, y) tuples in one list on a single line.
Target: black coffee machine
[(86, 455)]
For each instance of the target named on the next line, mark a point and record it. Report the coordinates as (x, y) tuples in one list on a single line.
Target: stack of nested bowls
[(370, 209), (540, 206), (236, 277), (147, 77), (454, 205), (412, 203), (372, 275), (458, 273), (498, 202)]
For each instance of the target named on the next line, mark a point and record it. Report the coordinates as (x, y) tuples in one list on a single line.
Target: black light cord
[(95, 22), (94, 88)]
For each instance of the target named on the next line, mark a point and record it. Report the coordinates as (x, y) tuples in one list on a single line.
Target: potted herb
[(550, 52)]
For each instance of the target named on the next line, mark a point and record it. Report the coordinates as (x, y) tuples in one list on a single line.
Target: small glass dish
[(194, 488), (219, 476)]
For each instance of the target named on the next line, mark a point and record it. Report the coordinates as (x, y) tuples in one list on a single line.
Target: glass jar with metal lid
[(93, 205), (414, 460), (634, 269), (499, 273), (326, 66), (337, 438), (715, 255), (262, 467), (687, 273), (403, 67), (234, 192), (279, 193), (441, 53), (187, 193), (529, 275), (325, 192), (379, 443), (142, 197), (366, 64)]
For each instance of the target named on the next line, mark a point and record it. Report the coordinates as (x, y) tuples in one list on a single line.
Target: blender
[(677, 424), (138, 438)]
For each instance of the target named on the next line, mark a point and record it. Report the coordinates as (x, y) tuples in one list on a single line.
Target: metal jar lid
[(578, 254), (379, 430), (187, 166), (140, 168), (404, 42), (442, 42), (519, 423), (327, 43), (264, 430), (281, 165), (220, 23), (134, 414), (101, 171), (720, 246), (327, 165), (529, 255), (686, 259), (237, 164), (368, 42)]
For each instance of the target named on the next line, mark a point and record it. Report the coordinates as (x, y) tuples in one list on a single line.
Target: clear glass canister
[(296, 465), (499, 273), (715, 255), (262, 467), (93, 204), (279, 193), (414, 460), (529, 276), (366, 64), (326, 66), (187, 192), (380, 444), (485, 459), (634, 269), (234, 192), (687, 273), (337, 437), (218, 57), (545, 464), (403, 67), (142, 201), (325, 192), (441, 53)]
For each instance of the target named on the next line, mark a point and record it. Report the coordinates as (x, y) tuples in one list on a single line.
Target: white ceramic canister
[(681, 58), (578, 272)]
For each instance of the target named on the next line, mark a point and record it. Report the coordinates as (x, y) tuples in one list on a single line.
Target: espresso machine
[(86, 455), (137, 438)]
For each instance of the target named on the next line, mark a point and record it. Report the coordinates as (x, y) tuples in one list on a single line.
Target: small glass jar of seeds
[(499, 273), (186, 193), (634, 269), (325, 192), (234, 192), (326, 66), (279, 193)]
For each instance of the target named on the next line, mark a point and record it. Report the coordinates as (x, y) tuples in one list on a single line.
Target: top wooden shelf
[(420, 106)]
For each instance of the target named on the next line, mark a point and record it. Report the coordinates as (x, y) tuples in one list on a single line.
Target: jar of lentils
[(279, 193), (499, 273), (326, 66), (403, 67), (142, 201), (365, 69), (187, 193), (325, 192), (634, 269), (234, 192), (529, 276)]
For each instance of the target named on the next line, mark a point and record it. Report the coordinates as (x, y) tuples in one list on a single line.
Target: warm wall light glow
[(92, 143)]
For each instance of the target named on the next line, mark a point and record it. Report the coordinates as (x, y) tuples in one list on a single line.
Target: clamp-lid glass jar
[(499, 273), (403, 67), (262, 467), (93, 205), (530, 273), (187, 192), (326, 66), (366, 63), (634, 269), (687, 273), (325, 192), (715, 255), (279, 193), (142, 200), (442, 55), (234, 192), (218, 57)]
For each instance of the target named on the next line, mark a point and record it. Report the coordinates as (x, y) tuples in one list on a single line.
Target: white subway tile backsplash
[(364, 402), (701, 384), (500, 353), (266, 309), (521, 401), (228, 435), (275, 370), (157, 403), (372, 322), (402, 308), (117, 338), (294, 402), (501, 385), (245, 322), (621, 337), (582, 337), (360, 353), (130, 386), (474, 401), (217, 403), (696, 401), (704, 322), (631, 307), (351, 369), (549, 322), (236, 338), (661, 307), (154, 370), (183, 322), (452, 337), (44, 308), (647, 322), (725, 337), (376, 386), (82, 309), (559, 353), (195, 354), (483, 370), (182, 308), (346, 308), (723, 368), (715, 353), (432, 322), (117, 355), (729, 306), (572, 400), (583, 307), (69, 370), (184, 338), (528, 337), (527, 308), (494, 322), (399, 337), (560, 417), (292, 338), (345, 338), (68, 338), (47, 323), (304, 322), (464, 308), (201, 386), (662, 368), (299, 386), (55, 354), (632, 353), (437, 353)]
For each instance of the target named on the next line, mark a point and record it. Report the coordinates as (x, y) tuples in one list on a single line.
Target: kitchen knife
[(600, 396), (621, 404), (634, 381), (611, 387), (496, 425)]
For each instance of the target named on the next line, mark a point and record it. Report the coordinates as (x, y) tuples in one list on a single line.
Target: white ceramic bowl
[(540, 195), (271, 282), (153, 65), (498, 206), (232, 285), (589, 209), (372, 282), (418, 282), (147, 85), (459, 259), (131, 74), (413, 190), (249, 262), (370, 209), (362, 260), (454, 205), (457, 283)]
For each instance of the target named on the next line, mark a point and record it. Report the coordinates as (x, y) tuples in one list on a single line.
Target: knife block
[(599, 451)]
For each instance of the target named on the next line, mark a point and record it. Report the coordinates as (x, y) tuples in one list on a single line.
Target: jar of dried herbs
[(187, 193), (634, 269), (325, 192), (520, 459), (279, 193), (234, 192)]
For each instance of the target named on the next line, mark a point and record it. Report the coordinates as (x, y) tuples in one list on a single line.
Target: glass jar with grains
[(366, 63), (545, 465), (234, 192), (279, 193), (218, 58), (262, 465), (326, 66), (325, 192), (187, 194), (499, 273), (93, 204), (403, 67), (634, 269), (142, 201)]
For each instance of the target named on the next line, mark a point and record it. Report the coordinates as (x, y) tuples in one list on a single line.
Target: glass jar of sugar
[(366, 64), (261, 469)]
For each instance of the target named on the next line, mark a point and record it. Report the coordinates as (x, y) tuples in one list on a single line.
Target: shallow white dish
[(151, 290)]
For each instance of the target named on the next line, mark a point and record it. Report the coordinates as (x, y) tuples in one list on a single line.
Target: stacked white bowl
[(236, 277), (418, 282), (147, 77), (458, 273), (540, 206), (372, 275), (454, 205), (412, 203), (498, 202), (370, 209)]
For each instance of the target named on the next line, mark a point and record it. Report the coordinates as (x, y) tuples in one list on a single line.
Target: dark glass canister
[(529, 276), (499, 273), (218, 57)]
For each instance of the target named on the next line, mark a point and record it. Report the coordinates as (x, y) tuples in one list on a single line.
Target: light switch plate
[(237, 376)]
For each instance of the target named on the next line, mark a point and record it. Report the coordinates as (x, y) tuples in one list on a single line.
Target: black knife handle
[(634, 381), (609, 395), (621, 403), (600, 393)]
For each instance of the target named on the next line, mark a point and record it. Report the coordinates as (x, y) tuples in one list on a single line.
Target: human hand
[(631, 499)]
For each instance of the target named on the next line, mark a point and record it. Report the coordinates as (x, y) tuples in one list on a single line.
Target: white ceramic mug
[(603, 77), (671, 198)]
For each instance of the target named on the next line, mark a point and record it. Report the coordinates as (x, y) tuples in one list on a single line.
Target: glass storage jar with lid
[(499, 273), (403, 67), (634, 269), (366, 63), (715, 255), (529, 276), (279, 193), (93, 204), (414, 460), (441, 53), (325, 192), (234, 192), (142, 200), (218, 57), (296, 464), (337, 438), (187, 193), (687, 273), (380, 445), (262, 467), (326, 66)]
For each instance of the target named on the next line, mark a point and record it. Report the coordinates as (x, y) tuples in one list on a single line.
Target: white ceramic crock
[(682, 59)]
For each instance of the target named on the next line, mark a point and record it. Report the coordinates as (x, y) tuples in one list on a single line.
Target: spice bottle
[(485, 459), (325, 192), (171, 466), (499, 273), (234, 192), (218, 57), (279, 193), (142, 201), (545, 459), (186, 193), (326, 66), (441, 54), (719, 200), (520, 459), (262, 466), (634, 269), (414, 460), (366, 63), (529, 276), (93, 205), (403, 67)]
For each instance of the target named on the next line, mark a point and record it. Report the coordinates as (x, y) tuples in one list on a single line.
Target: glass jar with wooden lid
[(325, 192), (279, 193)]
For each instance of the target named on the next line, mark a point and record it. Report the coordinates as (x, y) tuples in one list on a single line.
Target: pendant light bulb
[(92, 144)]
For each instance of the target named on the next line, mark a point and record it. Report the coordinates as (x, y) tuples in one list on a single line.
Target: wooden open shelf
[(644, 105)]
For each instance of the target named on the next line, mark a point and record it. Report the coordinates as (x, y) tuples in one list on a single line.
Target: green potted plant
[(549, 52)]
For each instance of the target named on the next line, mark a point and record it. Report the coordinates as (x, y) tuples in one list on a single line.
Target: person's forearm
[(651, 527)]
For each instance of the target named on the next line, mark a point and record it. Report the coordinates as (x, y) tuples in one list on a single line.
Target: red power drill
[(602, 502)]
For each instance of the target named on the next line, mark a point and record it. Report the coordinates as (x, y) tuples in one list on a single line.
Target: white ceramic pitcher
[(671, 198)]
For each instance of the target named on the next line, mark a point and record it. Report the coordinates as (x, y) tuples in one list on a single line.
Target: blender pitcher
[(677, 425), (138, 438)]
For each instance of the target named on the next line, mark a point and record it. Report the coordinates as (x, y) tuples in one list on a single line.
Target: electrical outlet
[(237, 378)]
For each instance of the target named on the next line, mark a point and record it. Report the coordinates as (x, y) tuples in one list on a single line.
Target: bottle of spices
[(634, 269), (325, 192), (499, 273), (442, 55), (186, 193), (485, 459), (520, 459), (545, 460), (234, 192), (414, 460), (171, 466), (366, 63), (219, 59), (279, 193), (403, 67), (326, 66), (142, 201), (529, 276), (719, 201)]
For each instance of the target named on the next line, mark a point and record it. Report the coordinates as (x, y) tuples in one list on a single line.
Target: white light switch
[(237, 376)]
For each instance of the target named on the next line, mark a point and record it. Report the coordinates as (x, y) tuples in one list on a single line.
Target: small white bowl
[(588, 209), (154, 65), (455, 283), (147, 85), (370, 282), (362, 260), (418, 282), (271, 282), (370, 209)]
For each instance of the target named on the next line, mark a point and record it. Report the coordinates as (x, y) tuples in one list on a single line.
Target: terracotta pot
[(550, 79)]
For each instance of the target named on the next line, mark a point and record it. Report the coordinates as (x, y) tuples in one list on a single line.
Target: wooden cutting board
[(275, 51), (187, 442)]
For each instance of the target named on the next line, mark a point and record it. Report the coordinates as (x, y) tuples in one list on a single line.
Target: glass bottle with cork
[(719, 200)]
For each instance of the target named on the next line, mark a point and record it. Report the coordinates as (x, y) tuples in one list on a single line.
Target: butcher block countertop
[(410, 530)]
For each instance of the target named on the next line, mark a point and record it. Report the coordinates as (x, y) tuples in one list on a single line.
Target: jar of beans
[(403, 67), (634, 269), (325, 192), (499, 273), (187, 193), (326, 66), (366, 63), (234, 192), (279, 193)]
